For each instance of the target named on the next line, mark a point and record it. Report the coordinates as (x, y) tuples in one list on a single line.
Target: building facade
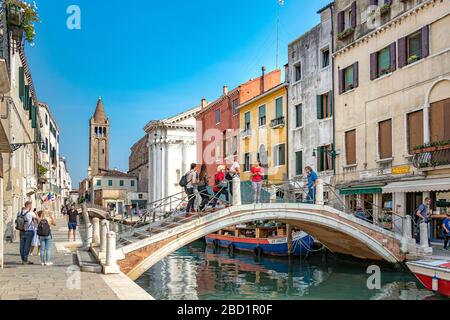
[(309, 74), (65, 182), (218, 122), (391, 75), (172, 149), (138, 164), (264, 135)]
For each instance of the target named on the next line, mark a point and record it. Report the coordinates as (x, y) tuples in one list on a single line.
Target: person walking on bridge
[(312, 183), (220, 186), (191, 177), (257, 173), (202, 187), (72, 222), (446, 230), (423, 216)]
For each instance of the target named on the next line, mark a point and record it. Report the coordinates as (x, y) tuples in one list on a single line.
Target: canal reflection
[(199, 272)]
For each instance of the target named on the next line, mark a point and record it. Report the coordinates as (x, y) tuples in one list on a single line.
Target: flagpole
[(278, 30)]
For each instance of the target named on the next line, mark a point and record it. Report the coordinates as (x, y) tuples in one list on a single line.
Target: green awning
[(361, 190)]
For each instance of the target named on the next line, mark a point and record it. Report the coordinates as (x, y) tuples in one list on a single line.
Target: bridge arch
[(338, 231)]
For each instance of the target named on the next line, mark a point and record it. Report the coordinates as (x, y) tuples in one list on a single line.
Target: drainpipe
[(334, 92), (286, 76)]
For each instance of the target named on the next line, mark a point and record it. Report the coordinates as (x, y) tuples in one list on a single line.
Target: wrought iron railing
[(429, 157), (278, 122)]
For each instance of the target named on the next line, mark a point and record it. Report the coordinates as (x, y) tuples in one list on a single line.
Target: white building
[(172, 149), (310, 100), (65, 181)]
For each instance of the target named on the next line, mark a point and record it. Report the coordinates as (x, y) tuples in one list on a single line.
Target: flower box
[(424, 149), (344, 34)]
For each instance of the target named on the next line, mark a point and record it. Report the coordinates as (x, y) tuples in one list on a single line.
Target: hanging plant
[(22, 17)]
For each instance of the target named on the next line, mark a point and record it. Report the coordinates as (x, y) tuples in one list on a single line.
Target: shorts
[(72, 226)]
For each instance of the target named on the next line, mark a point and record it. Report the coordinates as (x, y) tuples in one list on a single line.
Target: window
[(247, 162), (325, 57), (298, 72), (99, 183), (262, 116), (414, 47), (121, 183), (247, 121), (46, 119), (347, 18), (280, 155), (298, 116), (385, 139), (46, 145), (324, 159), (440, 120), (348, 78), (415, 130), (110, 183), (225, 144), (325, 106), (382, 62), (235, 105), (350, 147), (279, 108), (299, 163), (217, 116), (133, 183)]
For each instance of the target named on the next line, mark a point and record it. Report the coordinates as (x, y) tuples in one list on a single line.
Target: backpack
[(43, 229), (183, 181), (21, 222)]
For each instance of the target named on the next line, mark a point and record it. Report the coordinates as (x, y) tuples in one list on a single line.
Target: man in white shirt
[(26, 236), (191, 177)]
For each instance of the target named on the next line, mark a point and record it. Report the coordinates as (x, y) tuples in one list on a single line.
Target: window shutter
[(332, 159), (385, 139), (341, 23), (393, 54), (350, 147), (415, 130), (25, 97), (353, 22), (402, 52), (33, 116), (373, 65), (341, 81), (319, 107), (355, 75), (21, 83), (425, 41), (373, 2), (320, 159), (30, 110), (331, 103)]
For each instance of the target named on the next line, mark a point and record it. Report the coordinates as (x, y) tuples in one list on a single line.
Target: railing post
[(424, 235), (237, 200), (407, 235), (111, 266), (319, 192), (89, 233), (103, 239), (273, 194), (95, 232)]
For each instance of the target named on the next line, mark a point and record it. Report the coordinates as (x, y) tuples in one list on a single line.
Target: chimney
[(204, 103), (263, 79), (225, 90), (286, 72)]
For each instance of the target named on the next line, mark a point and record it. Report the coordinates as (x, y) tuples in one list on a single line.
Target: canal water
[(198, 272)]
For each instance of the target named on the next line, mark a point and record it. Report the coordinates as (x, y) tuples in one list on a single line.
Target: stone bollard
[(407, 236), (237, 200), (96, 232), (88, 234), (424, 235), (111, 266), (103, 239), (319, 192)]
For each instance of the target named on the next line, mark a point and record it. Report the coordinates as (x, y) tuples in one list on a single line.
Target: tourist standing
[(220, 186), (72, 222), (35, 243), (423, 216), (257, 173), (25, 221), (446, 230), (46, 220), (312, 183), (202, 187), (191, 177)]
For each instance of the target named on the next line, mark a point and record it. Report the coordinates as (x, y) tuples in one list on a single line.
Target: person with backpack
[(35, 243), (25, 221), (45, 220), (423, 216), (220, 186), (189, 182)]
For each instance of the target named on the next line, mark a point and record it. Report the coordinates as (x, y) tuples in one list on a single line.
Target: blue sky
[(151, 59)]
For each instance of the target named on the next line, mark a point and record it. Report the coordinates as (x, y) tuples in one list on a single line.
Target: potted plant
[(344, 34), (22, 17), (385, 8), (413, 58)]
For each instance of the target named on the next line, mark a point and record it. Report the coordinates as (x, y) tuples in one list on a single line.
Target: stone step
[(87, 262)]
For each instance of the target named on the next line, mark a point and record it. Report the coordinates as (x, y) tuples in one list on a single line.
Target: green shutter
[(330, 101), (21, 83), (320, 159), (25, 98), (319, 107), (279, 108), (332, 157), (33, 116)]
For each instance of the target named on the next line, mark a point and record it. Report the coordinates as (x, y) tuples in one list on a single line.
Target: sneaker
[(29, 262), (49, 264)]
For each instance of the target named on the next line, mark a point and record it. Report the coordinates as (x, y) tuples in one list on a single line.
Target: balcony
[(278, 123), (430, 156), (246, 134)]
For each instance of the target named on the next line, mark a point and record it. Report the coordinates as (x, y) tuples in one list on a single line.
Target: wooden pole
[(289, 239)]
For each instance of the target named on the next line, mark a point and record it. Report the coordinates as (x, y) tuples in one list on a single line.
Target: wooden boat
[(433, 274), (261, 240)]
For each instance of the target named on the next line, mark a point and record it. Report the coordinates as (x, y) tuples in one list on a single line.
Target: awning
[(425, 185), (361, 190)]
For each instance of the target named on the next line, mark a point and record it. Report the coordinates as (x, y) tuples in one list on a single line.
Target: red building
[(218, 122)]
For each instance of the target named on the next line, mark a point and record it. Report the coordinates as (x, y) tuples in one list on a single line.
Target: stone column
[(111, 266), (426, 123), (377, 211), (103, 239), (85, 214), (273, 194), (89, 233), (237, 200), (319, 192), (96, 232)]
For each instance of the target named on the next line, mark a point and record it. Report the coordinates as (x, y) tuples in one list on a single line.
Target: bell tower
[(99, 140)]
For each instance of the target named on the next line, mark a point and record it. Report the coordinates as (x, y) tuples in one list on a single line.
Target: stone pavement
[(62, 281)]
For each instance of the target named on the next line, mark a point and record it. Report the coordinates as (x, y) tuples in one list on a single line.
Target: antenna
[(280, 4)]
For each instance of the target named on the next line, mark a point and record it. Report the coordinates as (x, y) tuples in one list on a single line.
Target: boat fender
[(258, 251), (435, 283), (231, 249)]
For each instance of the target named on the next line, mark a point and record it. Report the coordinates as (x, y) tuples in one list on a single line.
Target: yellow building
[(263, 134)]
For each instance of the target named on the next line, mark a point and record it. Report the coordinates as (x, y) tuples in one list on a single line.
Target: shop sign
[(401, 170)]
